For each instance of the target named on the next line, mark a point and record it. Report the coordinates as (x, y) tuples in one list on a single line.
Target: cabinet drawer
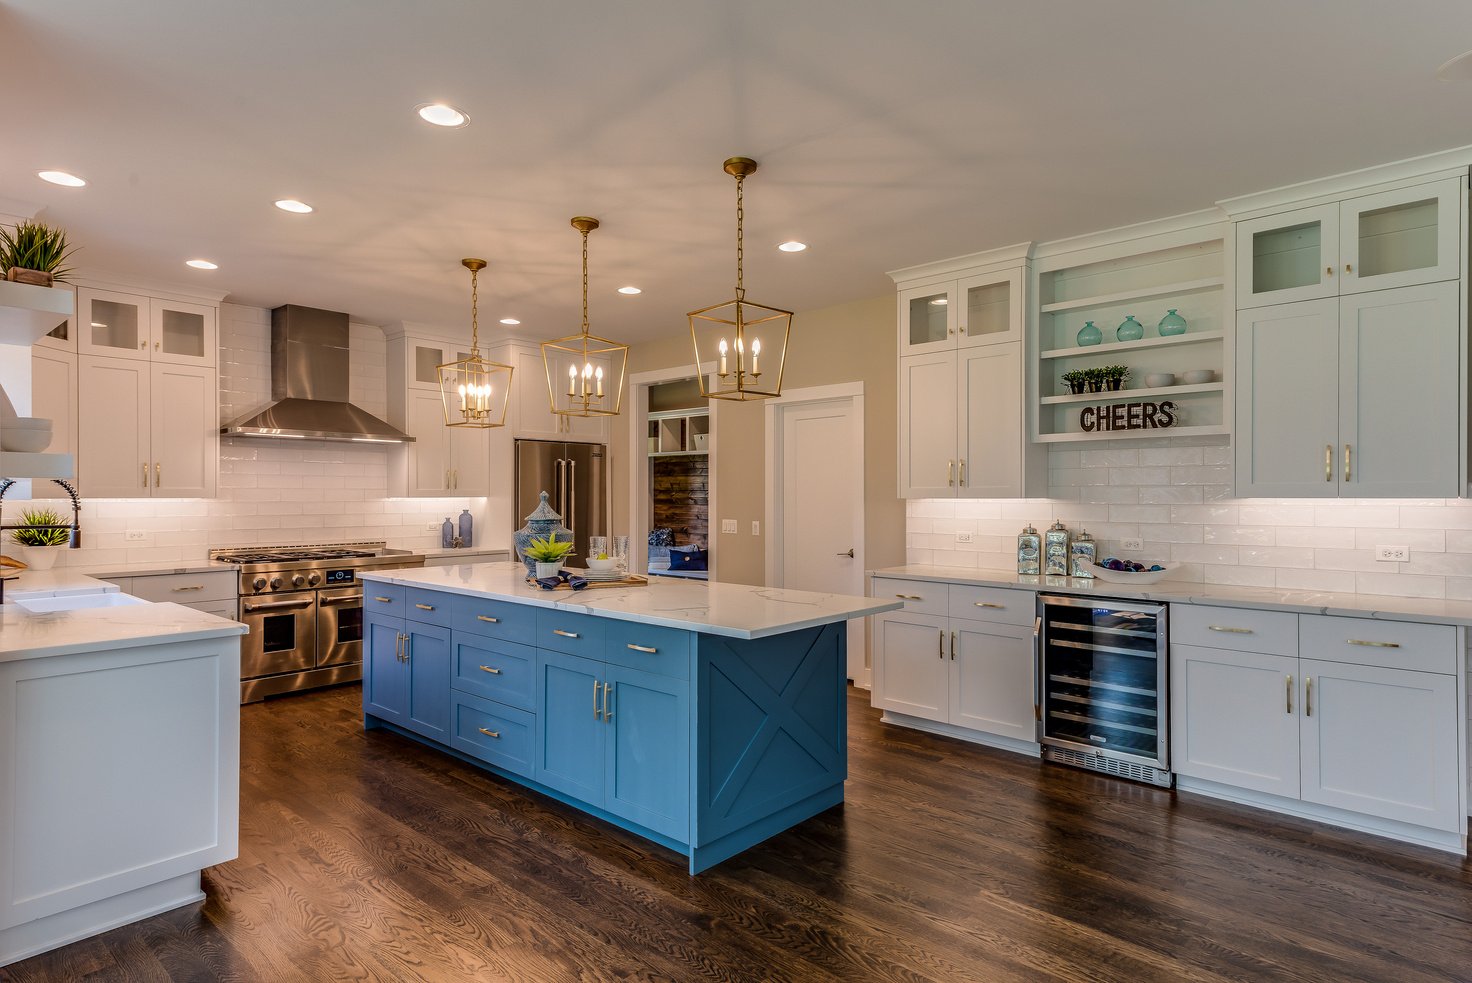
[(920, 596), (575, 634), (496, 619), (186, 587), (1367, 642), (494, 733), (1234, 629), (648, 647), (428, 607), (1008, 607), (495, 670), (386, 600)]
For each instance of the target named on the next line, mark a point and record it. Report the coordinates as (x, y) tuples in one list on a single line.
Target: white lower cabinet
[(1233, 718), (991, 679), (910, 672)]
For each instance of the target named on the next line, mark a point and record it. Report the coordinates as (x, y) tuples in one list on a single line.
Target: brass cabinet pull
[(940, 644), (399, 646), (158, 474), (158, 346), (607, 702), (596, 687), (493, 672), (961, 481), (1348, 268), (447, 479), (950, 473), (1328, 462), (403, 647), (953, 646), (489, 733), (1308, 696), (425, 607), (1378, 645), (1231, 631), (565, 634), (989, 604), (910, 597), (383, 600), (1288, 694), (182, 590), (488, 619), (1346, 462), (643, 648), (1328, 271), (145, 474)]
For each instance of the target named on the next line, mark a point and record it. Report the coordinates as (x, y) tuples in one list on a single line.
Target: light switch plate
[(1392, 554), (135, 536), (728, 525), (1131, 544)]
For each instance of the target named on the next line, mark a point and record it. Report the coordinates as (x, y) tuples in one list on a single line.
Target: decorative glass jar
[(539, 525), (1172, 324), (1129, 329)]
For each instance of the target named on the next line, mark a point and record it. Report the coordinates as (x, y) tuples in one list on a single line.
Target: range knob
[(275, 583), (313, 579), (297, 580), (259, 583)]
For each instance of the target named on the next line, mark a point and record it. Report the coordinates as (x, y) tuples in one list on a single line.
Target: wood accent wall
[(681, 488)]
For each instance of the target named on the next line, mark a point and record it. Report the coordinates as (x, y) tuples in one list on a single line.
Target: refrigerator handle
[(572, 491), (560, 492)]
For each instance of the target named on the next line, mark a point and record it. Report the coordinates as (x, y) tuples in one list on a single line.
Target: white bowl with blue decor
[(1102, 572)]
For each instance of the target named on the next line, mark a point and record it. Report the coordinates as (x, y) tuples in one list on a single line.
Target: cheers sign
[(1129, 416)]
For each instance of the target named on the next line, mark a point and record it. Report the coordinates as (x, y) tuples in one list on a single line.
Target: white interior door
[(818, 505), (114, 451)]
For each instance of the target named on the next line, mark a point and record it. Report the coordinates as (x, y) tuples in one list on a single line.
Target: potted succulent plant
[(1114, 376), (1094, 380), (33, 252), (548, 554), (40, 547), (1075, 380)]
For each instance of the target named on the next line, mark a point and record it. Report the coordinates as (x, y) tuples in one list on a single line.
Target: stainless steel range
[(304, 608)]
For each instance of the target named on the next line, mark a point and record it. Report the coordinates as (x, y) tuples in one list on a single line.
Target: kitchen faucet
[(74, 539)]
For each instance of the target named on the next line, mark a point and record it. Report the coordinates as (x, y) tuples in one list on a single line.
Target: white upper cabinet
[(531, 413), (442, 460), (990, 427), (183, 430), (985, 309), (928, 319), (928, 417), (180, 333), (146, 431), (123, 325), (1394, 238)]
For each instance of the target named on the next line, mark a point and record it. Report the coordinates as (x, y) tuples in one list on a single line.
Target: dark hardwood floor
[(369, 857)]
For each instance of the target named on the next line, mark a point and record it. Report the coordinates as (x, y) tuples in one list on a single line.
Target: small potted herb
[(1094, 380), (1075, 380), (33, 253), (548, 554), (40, 547), (1115, 376)]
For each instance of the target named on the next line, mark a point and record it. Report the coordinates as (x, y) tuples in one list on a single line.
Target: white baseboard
[(1030, 748)]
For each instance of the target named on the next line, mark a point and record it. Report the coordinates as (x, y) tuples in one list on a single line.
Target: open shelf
[(29, 312), (1124, 346), (1084, 438), (1126, 296), (678, 453), (17, 465), (1123, 394)]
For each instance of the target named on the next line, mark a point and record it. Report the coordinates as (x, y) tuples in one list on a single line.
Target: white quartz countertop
[(24, 635), (1384, 607), (54, 583), (469, 553), (733, 610)]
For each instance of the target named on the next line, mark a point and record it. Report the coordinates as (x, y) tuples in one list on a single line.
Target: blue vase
[(467, 529), (1129, 329), (447, 534), (1172, 324), (1089, 335), (539, 525)]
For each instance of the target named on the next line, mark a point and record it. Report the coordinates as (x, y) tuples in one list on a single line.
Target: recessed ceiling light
[(62, 178), (509, 320), (792, 246), (441, 115), (1458, 69), (939, 302), (201, 264), (630, 290), (292, 205)]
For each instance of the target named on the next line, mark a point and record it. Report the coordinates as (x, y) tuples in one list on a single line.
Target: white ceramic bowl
[(1159, 380), (1198, 377), (1125, 577), (25, 441), (28, 423), (596, 564)]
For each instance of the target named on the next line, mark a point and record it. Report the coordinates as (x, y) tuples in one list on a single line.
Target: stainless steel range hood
[(309, 381)]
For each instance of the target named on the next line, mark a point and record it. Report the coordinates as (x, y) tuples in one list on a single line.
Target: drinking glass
[(597, 546), (621, 551)]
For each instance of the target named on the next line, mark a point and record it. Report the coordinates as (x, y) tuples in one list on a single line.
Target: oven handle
[(275, 606), (344, 599)]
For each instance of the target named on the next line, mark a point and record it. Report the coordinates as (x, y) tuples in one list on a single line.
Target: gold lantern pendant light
[(474, 390), (739, 337), (585, 373)]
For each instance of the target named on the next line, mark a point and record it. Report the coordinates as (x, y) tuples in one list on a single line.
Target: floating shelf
[(1118, 394), (1083, 438), (16, 465), (1125, 296), (29, 312), (1120, 346), (678, 453), (676, 414)]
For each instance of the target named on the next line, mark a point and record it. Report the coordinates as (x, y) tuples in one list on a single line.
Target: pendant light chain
[(740, 245), (585, 281), (475, 313)]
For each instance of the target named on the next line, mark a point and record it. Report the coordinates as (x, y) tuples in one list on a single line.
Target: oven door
[(340, 626), (282, 636)]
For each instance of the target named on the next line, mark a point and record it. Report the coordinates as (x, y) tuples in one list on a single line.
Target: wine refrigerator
[(1102, 686)]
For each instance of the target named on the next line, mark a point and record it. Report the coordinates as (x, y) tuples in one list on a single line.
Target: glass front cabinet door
[(978, 310), (1401, 238), (1288, 257), (110, 323), (928, 319), (181, 333)]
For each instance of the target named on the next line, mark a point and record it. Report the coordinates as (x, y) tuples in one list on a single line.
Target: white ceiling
[(888, 133)]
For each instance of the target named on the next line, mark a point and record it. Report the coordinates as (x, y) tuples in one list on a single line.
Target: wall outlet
[(135, 536), (728, 525), (432, 526), (963, 537), (1392, 554), (756, 527), (1131, 544)]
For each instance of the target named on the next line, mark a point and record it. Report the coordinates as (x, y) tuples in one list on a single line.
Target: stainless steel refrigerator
[(575, 478)]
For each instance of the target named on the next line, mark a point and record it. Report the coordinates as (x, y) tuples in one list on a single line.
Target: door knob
[(849, 554)]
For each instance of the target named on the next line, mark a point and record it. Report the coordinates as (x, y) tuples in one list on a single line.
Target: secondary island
[(703, 716)]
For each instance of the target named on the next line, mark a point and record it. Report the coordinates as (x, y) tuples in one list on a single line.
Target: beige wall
[(852, 342)]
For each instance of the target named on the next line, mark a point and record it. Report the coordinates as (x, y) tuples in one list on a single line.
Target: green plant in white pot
[(41, 537), (548, 554)]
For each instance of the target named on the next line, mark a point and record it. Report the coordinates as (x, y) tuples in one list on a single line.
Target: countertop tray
[(632, 580)]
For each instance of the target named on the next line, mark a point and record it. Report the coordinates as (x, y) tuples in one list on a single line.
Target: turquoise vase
[(1172, 324), (1089, 335), (1129, 329)]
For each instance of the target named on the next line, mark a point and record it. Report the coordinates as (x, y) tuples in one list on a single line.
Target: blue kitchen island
[(705, 717)]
